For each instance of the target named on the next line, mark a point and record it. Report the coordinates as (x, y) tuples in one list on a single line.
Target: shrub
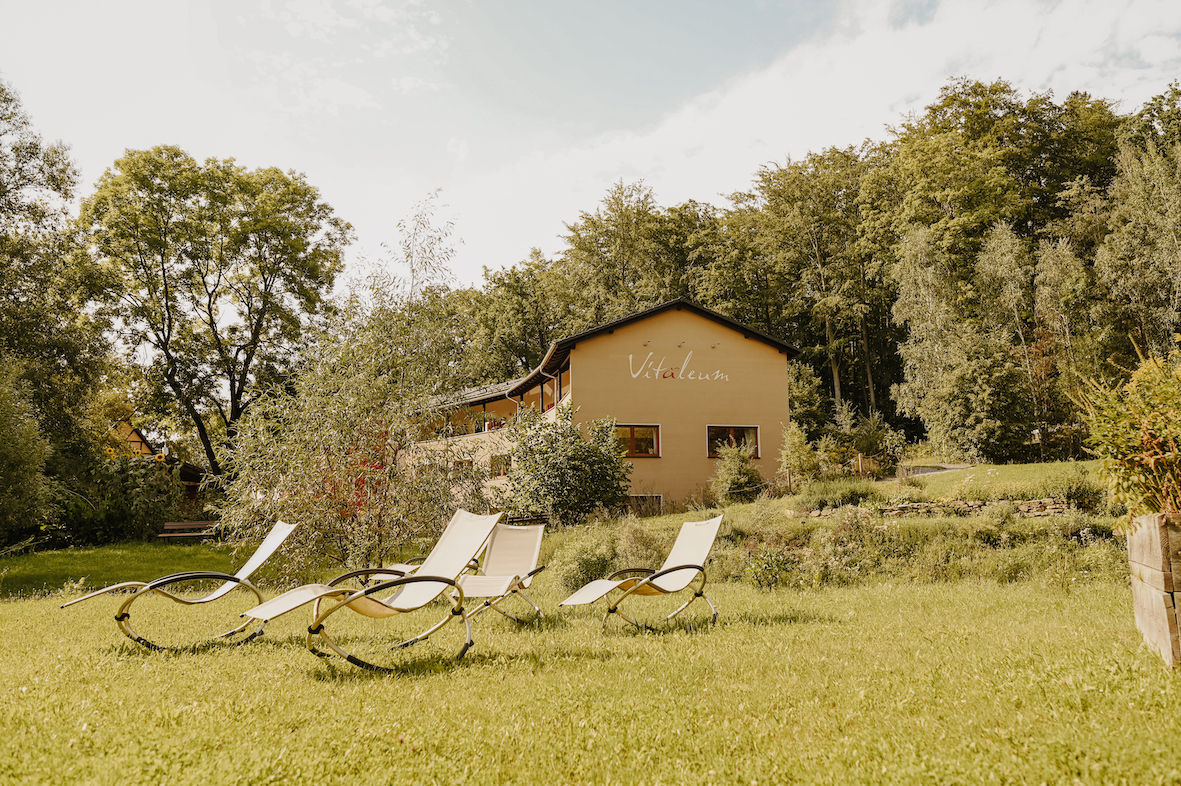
[(1135, 430), (798, 461), (124, 498), (637, 546), (736, 478), (555, 472), (769, 568), (590, 555), (837, 493)]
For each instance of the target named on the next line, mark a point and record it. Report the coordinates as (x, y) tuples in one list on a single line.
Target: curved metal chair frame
[(518, 588), (269, 545), (686, 558), (508, 568), (123, 617), (647, 587), (458, 545), (319, 617)]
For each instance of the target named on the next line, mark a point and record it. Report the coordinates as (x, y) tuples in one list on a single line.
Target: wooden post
[(1154, 560)]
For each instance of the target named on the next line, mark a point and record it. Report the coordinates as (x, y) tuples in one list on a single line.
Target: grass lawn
[(1008, 481), (961, 682)]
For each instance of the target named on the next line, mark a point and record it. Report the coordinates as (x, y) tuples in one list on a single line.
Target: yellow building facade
[(678, 379)]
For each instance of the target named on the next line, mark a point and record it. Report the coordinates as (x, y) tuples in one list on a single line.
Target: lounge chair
[(684, 567), (437, 577), (270, 543), (508, 568)]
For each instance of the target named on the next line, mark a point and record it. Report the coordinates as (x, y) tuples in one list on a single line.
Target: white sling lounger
[(508, 568), (436, 577), (269, 545), (684, 567)]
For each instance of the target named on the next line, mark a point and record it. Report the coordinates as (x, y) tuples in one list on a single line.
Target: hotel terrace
[(678, 379)]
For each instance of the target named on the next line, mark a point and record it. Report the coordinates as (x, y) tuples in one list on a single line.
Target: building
[(678, 379)]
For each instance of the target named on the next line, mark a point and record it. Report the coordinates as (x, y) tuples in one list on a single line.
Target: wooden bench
[(189, 529)]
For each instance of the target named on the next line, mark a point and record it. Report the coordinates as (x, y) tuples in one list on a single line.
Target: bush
[(837, 493), (557, 473), (1135, 430), (769, 568), (637, 546), (590, 555), (736, 479), (123, 498)]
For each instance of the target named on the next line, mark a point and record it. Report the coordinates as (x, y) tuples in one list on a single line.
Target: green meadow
[(1034, 678)]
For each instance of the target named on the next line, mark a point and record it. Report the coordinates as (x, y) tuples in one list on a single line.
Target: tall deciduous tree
[(810, 228), (44, 319), (214, 272), (1140, 261)]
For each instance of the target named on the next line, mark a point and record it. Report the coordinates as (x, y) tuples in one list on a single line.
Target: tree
[(24, 491), (558, 473), (962, 380), (1139, 263), (45, 321), (521, 312), (338, 446), (214, 273), (607, 252), (810, 218)]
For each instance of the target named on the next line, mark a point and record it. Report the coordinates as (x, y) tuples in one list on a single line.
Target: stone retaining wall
[(1032, 507)]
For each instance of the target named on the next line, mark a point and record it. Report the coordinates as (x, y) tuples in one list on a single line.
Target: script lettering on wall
[(650, 369)]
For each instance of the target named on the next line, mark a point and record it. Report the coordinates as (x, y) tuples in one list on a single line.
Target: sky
[(522, 114)]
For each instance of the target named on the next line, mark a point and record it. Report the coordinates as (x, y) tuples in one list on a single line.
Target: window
[(731, 435), (639, 441), (500, 465), (644, 505)]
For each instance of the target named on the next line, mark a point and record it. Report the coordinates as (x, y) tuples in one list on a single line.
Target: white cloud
[(412, 84), (458, 148), (833, 90)]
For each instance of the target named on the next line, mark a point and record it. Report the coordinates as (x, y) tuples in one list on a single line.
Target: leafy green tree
[(810, 225), (1139, 263), (519, 314), (608, 252), (338, 447), (557, 472), (24, 491), (1158, 122), (214, 273), (45, 319), (742, 279), (962, 380)]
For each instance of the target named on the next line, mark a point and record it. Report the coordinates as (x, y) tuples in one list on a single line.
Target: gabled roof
[(560, 350)]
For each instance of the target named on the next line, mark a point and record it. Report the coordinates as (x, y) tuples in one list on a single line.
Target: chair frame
[(361, 602), (518, 584), (157, 587), (318, 617), (644, 581), (651, 575)]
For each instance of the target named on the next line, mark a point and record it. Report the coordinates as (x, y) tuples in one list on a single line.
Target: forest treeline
[(960, 277)]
